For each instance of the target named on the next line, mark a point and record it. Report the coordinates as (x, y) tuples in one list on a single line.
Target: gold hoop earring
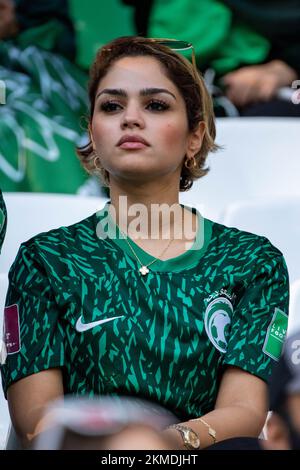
[(95, 160), (187, 162)]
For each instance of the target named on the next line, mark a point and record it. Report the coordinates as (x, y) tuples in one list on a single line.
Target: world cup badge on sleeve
[(276, 335), (12, 329)]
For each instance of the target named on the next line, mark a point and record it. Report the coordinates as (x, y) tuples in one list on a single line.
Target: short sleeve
[(259, 323), (33, 335)]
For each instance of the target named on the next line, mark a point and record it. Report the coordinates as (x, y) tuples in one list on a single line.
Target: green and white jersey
[(3, 220), (79, 302)]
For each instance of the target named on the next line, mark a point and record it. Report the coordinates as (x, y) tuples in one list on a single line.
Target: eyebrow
[(143, 92)]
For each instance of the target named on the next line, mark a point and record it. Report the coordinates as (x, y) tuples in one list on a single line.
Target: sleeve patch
[(12, 329), (276, 335)]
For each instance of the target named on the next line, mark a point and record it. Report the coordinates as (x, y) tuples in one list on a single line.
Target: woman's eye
[(157, 105), (110, 106)]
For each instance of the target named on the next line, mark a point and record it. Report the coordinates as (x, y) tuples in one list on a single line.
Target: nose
[(132, 118)]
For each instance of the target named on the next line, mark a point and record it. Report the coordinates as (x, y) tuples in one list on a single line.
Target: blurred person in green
[(45, 97), (46, 24), (248, 50)]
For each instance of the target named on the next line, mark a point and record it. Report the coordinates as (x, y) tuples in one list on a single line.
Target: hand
[(8, 21), (257, 82)]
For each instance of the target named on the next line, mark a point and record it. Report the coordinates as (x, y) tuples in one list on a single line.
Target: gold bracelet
[(211, 431)]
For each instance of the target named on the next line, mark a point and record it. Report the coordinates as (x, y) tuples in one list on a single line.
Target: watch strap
[(183, 429)]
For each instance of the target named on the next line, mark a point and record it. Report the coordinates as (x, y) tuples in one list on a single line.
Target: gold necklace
[(144, 267)]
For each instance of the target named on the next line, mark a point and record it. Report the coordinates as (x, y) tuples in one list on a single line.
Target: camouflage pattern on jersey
[(167, 336)]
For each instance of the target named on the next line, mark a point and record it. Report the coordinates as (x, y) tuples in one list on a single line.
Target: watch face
[(193, 439)]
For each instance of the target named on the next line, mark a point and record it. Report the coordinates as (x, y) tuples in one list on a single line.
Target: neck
[(149, 212)]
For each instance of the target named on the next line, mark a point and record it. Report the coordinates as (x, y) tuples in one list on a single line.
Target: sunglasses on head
[(177, 45)]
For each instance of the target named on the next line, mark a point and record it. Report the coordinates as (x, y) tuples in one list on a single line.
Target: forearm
[(28, 400), (30, 426), (230, 421)]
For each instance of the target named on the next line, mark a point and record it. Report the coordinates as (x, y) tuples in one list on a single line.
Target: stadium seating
[(260, 159), (294, 316), (32, 213)]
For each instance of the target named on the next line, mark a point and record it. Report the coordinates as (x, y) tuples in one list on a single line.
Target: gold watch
[(190, 438)]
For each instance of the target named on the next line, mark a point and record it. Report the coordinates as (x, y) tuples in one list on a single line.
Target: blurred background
[(249, 54)]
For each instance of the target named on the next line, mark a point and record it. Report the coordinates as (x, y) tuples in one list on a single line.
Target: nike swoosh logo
[(80, 327)]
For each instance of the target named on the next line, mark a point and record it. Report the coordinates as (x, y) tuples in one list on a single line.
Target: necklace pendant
[(144, 270)]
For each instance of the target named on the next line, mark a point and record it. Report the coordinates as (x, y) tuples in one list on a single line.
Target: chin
[(137, 174)]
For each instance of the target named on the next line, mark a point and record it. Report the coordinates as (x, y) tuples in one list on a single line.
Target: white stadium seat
[(294, 315), (32, 213), (261, 158)]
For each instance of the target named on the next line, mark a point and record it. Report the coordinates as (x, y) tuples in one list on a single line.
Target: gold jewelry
[(187, 163), (144, 267), (211, 431), (95, 160), (105, 174), (177, 45), (190, 438)]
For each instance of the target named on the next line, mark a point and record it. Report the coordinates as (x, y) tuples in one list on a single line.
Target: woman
[(182, 317)]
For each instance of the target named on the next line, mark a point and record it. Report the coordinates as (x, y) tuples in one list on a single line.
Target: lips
[(132, 142)]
